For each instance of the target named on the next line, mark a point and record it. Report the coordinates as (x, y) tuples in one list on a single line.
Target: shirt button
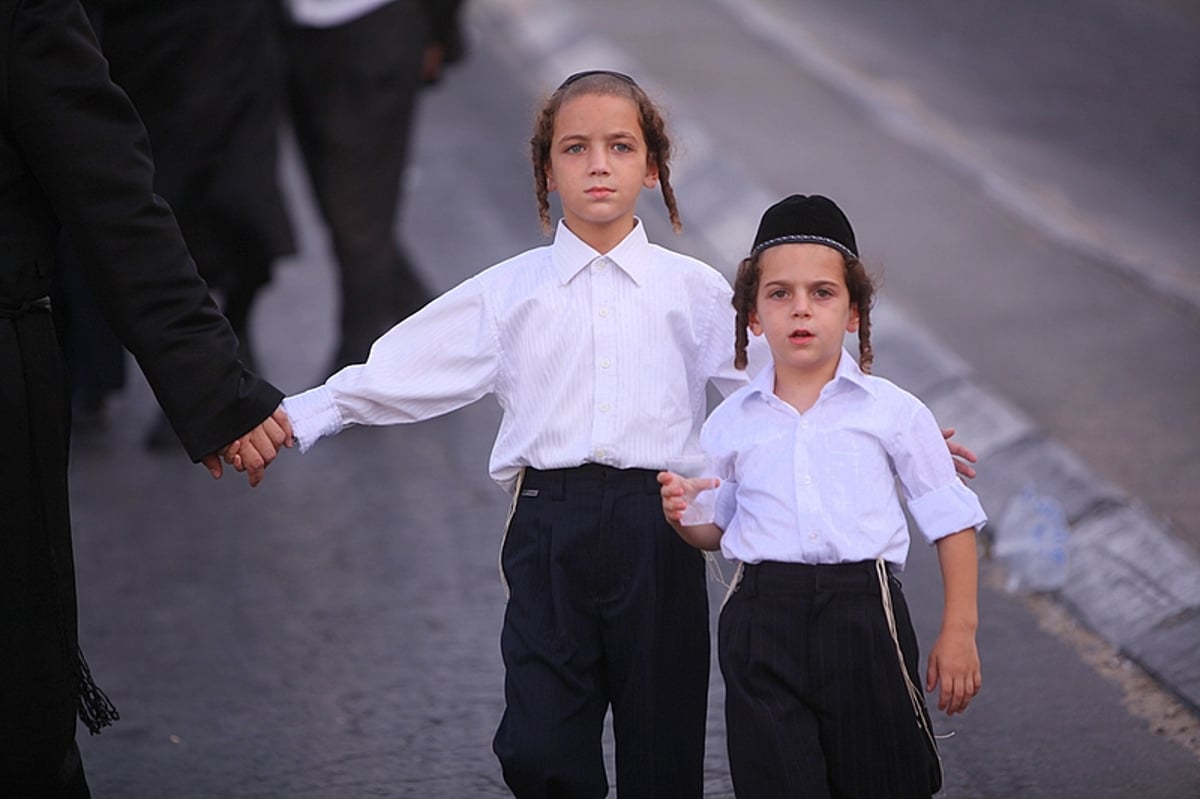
[(813, 536), (604, 407), (600, 264), (605, 363), (807, 480), (603, 313)]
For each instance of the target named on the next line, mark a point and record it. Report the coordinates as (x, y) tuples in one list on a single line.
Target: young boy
[(598, 348), (816, 646)]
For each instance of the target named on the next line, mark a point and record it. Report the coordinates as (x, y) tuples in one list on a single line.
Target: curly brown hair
[(654, 131), (859, 283)]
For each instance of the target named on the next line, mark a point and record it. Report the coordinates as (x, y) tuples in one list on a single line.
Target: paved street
[(334, 633)]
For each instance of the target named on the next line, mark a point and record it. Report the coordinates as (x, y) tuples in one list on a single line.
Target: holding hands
[(254, 451)]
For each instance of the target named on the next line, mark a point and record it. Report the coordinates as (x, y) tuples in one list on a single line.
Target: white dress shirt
[(592, 358), (821, 486), (327, 13)]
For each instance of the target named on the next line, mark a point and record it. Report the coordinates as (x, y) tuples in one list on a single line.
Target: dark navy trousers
[(607, 607), (815, 699)]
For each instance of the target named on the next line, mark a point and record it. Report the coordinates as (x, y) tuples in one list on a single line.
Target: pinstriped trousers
[(607, 606), (815, 703)]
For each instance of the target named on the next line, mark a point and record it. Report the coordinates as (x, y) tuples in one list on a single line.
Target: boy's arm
[(675, 496), (443, 357), (954, 659)]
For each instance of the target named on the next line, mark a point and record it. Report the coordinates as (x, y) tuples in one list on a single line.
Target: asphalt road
[(334, 633)]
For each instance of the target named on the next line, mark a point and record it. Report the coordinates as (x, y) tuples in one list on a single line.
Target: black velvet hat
[(806, 219)]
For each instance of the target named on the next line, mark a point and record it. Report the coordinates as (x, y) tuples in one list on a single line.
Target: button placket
[(806, 494), (605, 378)]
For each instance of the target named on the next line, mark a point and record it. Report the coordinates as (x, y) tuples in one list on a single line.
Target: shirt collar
[(848, 371), (571, 254), (848, 375)]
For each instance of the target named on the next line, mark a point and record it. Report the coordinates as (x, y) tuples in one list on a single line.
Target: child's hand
[(254, 451), (674, 501), (678, 491), (954, 663)]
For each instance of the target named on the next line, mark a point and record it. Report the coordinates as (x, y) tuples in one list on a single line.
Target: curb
[(1126, 578)]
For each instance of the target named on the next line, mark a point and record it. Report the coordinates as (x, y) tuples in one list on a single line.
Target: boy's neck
[(602, 238), (801, 388)]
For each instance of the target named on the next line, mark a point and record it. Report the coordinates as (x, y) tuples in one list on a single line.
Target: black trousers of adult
[(815, 702), (39, 656), (607, 606), (353, 90)]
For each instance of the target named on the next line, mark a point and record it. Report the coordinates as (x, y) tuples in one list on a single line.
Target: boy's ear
[(852, 325), (550, 184), (651, 179), (753, 323)]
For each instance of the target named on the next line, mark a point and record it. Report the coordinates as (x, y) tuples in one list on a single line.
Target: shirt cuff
[(313, 415), (947, 510)]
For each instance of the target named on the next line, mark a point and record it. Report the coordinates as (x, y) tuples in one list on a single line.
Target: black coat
[(73, 154)]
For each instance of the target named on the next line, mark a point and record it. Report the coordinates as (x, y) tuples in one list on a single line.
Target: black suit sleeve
[(84, 143)]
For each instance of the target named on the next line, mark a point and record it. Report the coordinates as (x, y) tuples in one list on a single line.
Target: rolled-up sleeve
[(947, 510), (938, 500)]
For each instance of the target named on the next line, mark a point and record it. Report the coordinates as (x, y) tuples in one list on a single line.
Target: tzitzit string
[(733, 584), (914, 695)]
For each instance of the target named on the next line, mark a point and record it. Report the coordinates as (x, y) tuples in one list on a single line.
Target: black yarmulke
[(806, 218)]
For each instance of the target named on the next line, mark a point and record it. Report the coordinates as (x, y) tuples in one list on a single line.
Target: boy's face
[(598, 165), (803, 308)]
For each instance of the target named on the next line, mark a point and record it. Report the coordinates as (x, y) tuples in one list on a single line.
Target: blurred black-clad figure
[(206, 79), (355, 68), (74, 155)]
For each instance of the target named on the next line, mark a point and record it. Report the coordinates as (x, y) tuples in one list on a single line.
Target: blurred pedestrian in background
[(355, 68), (207, 80), (75, 156)]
